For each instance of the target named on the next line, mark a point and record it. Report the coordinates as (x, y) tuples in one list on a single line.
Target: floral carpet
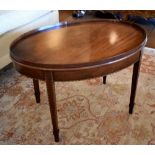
[(89, 112)]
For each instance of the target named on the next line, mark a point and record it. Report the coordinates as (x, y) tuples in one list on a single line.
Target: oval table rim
[(78, 65)]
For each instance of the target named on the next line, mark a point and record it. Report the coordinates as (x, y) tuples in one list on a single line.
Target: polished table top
[(79, 44), (76, 51)]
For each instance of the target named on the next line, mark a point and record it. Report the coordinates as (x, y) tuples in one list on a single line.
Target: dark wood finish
[(104, 79), (52, 103), (143, 13), (93, 42), (135, 76), (80, 73), (36, 90), (76, 51), (66, 15)]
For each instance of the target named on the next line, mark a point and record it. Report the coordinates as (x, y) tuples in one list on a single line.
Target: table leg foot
[(56, 135), (36, 90), (52, 104), (134, 86), (104, 79), (131, 108)]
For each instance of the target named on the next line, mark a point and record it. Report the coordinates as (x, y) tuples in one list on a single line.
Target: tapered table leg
[(134, 85), (52, 104), (104, 79), (36, 90)]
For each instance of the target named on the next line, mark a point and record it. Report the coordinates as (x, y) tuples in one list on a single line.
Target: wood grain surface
[(78, 44), (76, 51)]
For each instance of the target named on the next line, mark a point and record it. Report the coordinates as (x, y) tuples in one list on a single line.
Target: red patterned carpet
[(89, 112)]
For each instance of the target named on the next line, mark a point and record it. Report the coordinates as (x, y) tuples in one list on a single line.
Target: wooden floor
[(66, 15)]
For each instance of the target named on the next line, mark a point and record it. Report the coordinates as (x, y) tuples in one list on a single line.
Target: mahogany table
[(76, 51)]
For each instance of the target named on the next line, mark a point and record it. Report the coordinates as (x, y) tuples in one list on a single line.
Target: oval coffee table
[(76, 51)]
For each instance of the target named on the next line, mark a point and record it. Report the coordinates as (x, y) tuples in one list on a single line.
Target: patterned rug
[(89, 112)]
